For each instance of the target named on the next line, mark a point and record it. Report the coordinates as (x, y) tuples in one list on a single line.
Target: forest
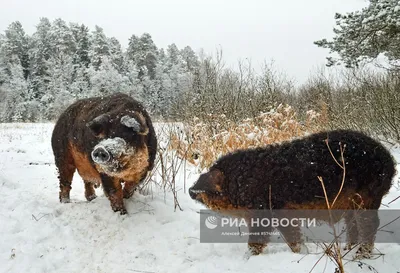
[(60, 62), (41, 74)]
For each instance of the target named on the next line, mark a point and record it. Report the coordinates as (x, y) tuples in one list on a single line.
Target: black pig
[(285, 176)]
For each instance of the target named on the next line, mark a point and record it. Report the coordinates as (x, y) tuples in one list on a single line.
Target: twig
[(141, 271), (343, 166), (323, 188), (394, 200), (38, 219), (388, 223), (334, 255), (329, 148), (317, 262)]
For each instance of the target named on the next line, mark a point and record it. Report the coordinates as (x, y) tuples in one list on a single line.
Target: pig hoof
[(349, 246), (121, 210), (91, 197), (65, 200), (300, 248), (255, 248), (364, 251), (361, 256)]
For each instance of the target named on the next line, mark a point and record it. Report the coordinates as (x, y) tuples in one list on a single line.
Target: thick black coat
[(285, 176)]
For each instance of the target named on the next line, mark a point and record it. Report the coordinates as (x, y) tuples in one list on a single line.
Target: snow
[(130, 123), (116, 146), (381, 13), (38, 234)]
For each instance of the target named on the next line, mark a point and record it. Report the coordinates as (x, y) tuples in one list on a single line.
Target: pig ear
[(138, 125), (98, 124)]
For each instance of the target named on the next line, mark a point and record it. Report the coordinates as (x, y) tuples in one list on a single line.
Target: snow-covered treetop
[(363, 35)]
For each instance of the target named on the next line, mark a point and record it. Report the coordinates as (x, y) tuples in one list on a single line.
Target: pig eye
[(99, 124)]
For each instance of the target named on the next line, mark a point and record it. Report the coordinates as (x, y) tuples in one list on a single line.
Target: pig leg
[(351, 229), (129, 189), (66, 169), (90, 193), (292, 236), (367, 226), (113, 190), (258, 238)]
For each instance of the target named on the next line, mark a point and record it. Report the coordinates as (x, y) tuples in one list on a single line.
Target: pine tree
[(99, 47), (40, 75), (364, 35), (58, 94), (81, 36), (136, 88), (80, 82), (143, 52), (151, 93), (39, 55), (106, 79), (173, 56), (169, 82), (3, 62), (16, 95), (14, 48), (190, 59), (149, 50), (133, 48), (80, 85), (62, 41), (116, 54)]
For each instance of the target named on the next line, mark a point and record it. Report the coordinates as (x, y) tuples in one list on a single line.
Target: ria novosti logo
[(211, 222)]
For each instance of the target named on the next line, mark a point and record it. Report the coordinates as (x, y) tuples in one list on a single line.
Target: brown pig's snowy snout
[(101, 155)]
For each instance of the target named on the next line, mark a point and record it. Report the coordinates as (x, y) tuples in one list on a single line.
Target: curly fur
[(285, 175), (87, 122)]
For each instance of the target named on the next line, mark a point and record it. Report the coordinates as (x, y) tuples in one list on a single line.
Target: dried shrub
[(216, 135), (168, 165)]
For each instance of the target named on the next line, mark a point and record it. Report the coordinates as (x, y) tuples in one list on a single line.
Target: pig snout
[(100, 155), (193, 192), (208, 183)]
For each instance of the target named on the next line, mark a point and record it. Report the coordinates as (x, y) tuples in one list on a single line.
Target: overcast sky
[(283, 30)]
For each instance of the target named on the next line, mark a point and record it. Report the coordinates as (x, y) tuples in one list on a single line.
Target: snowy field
[(38, 234)]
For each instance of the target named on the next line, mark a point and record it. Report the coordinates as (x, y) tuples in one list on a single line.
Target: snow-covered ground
[(38, 234)]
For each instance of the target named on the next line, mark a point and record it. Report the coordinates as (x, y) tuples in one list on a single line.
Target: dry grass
[(168, 165), (201, 142), (210, 138), (333, 249)]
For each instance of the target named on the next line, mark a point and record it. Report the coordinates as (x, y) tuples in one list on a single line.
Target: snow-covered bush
[(208, 139)]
